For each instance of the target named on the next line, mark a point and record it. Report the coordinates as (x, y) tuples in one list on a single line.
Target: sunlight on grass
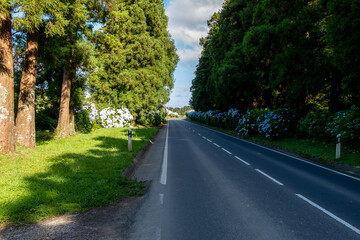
[(68, 175)]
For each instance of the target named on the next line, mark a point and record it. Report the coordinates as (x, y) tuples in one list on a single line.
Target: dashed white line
[(271, 178), (216, 145), (209, 140), (204, 137), (161, 196), (158, 234), (199, 134), (284, 154), (164, 163), (242, 160), (226, 150), (329, 214)]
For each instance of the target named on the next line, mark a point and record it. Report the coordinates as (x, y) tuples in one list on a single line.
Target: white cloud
[(190, 54), (188, 19)]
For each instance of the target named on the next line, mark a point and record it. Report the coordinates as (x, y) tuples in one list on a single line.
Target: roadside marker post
[(129, 139), (338, 146)]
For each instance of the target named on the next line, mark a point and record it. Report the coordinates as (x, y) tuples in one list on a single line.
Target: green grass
[(68, 175), (313, 149), (321, 151)]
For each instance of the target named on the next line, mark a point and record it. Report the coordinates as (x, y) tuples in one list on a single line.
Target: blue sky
[(187, 24)]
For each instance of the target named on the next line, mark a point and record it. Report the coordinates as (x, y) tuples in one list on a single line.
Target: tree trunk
[(72, 127), (25, 119), (63, 129), (7, 123)]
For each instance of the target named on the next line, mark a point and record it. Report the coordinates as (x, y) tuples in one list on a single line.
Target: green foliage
[(343, 35), (301, 55), (136, 58), (346, 123), (83, 122), (314, 125)]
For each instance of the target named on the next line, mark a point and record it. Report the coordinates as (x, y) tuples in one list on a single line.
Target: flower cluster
[(93, 113), (284, 122), (226, 120), (346, 123), (118, 118)]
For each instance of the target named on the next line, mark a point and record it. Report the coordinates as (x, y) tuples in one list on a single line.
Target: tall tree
[(77, 15), (343, 35), (7, 124), (32, 18), (137, 58)]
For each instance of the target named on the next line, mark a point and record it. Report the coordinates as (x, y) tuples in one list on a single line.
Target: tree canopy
[(301, 55)]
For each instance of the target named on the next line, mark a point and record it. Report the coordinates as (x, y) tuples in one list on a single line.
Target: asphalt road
[(209, 185)]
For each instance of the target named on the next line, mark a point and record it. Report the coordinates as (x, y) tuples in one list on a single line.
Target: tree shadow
[(76, 182)]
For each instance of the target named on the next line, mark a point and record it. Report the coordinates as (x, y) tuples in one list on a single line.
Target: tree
[(77, 15), (343, 35), (32, 18), (137, 58), (7, 124)]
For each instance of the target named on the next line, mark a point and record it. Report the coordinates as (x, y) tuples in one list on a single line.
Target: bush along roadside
[(274, 126)]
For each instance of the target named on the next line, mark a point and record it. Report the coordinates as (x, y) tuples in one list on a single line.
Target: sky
[(187, 24)]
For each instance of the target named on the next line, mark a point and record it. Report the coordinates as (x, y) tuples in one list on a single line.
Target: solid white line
[(329, 214), (165, 158), (242, 160), (226, 150), (216, 145), (209, 140), (271, 178), (284, 154)]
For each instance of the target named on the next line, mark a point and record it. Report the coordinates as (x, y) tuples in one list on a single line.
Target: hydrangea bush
[(314, 125), (117, 118), (346, 123), (277, 123), (283, 122)]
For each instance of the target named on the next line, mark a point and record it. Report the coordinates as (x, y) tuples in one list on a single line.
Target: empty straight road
[(209, 185)]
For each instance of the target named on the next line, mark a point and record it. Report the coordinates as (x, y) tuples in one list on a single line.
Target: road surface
[(209, 185)]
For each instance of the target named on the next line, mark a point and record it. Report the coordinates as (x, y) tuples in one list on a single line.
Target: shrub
[(314, 125), (118, 118), (248, 123), (83, 122), (346, 123), (44, 122), (278, 123)]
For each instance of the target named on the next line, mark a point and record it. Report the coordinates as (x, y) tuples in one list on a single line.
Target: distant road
[(209, 185)]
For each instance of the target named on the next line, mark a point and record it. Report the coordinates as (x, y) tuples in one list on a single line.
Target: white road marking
[(284, 154), (226, 150), (199, 134), (158, 233), (165, 158), (329, 214), (209, 140), (161, 195), (216, 145), (242, 160), (271, 178), (204, 137)]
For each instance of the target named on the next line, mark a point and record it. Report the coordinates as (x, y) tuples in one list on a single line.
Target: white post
[(338, 146), (129, 139)]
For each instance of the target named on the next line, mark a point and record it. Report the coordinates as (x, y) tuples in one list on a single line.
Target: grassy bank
[(68, 175), (313, 149)]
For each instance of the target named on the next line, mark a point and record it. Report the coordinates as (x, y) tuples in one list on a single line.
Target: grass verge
[(68, 175), (313, 149)]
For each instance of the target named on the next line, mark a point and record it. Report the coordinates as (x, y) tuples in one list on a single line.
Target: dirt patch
[(110, 222)]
